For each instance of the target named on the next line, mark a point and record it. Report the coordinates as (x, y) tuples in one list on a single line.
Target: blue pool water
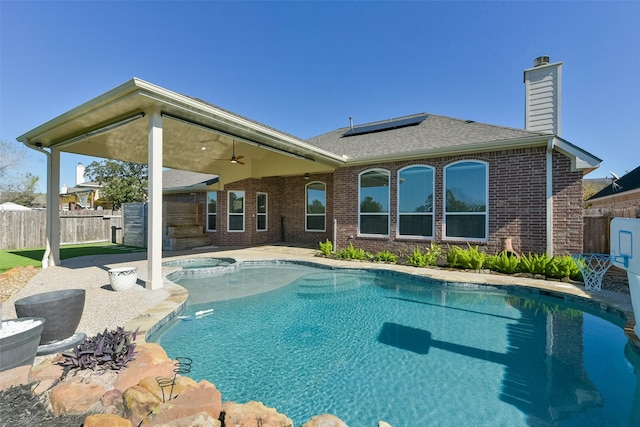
[(371, 346)]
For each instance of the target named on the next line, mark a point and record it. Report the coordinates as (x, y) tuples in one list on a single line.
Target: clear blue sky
[(305, 67)]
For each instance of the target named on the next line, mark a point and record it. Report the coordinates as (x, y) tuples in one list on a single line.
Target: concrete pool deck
[(146, 310)]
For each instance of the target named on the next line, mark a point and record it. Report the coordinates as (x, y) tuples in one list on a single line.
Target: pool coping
[(612, 302)]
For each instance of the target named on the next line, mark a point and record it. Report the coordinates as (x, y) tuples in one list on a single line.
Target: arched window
[(466, 200), (415, 201), (373, 212), (316, 201)]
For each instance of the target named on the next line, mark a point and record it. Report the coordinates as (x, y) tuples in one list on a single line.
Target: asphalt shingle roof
[(173, 178), (434, 133), (628, 182)]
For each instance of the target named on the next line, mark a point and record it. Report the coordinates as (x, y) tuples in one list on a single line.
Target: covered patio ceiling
[(197, 136)]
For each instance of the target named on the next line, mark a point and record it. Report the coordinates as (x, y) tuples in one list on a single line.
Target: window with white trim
[(415, 201), (235, 211), (465, 200), (373, 207), (316, 201), (261, 211), (212, 210)]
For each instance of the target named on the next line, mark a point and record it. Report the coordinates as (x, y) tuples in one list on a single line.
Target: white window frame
[(265, 213), (444, 204), (214, 214), (306, 207), (388, 213), (432, 213), (229, 214)]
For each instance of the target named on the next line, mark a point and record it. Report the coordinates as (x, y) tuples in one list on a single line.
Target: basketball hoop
[(593, 268)]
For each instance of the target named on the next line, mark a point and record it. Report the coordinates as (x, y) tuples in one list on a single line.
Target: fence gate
[(134, 224)]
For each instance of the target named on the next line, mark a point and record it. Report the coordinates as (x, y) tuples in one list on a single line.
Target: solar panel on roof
[(392, 124)]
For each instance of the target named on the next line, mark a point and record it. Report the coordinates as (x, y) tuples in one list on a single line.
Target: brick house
[(392, 184), (421, 178)]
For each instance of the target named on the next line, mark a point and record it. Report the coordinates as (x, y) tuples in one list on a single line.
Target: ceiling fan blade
[(239, 157), (239, 162)]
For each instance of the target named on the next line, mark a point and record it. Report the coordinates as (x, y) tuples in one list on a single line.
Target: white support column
[(52, 251), (154, 230)]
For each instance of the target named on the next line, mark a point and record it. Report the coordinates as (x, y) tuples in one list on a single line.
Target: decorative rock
[(203, 397), (14, 377), (113, 399), (138, 403), (46, 374), (75, 396), (106, 420), (254, 414), (325, 420), (198, 420), (181, 383), (150, 361)]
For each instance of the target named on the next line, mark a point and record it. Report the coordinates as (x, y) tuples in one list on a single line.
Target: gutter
[(549, 184)]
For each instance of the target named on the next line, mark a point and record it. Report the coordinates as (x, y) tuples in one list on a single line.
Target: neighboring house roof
[(625, 184), (10, 206), (178, 180), (431, 135)]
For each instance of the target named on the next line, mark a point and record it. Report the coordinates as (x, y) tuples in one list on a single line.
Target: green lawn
[(26, 257)]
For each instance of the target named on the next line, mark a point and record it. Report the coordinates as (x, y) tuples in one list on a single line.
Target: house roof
[(427, 135), (196, 135), (178, 180), (627, 183)]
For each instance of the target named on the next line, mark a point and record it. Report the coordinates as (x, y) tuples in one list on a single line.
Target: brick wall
[(517, 203), (568, 221), (517, 206)]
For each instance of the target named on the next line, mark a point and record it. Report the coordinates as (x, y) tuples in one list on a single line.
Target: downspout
[(47, 251), (550, 145)]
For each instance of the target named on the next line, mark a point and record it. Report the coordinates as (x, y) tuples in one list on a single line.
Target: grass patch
[(27, 257)]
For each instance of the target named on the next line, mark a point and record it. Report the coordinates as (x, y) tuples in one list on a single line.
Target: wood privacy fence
[(597, 224), (26, 229)]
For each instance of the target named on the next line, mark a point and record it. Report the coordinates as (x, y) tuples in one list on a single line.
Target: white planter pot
[(123, 278)]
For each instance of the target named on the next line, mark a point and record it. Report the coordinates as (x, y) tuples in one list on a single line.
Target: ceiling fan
[(234, 159)]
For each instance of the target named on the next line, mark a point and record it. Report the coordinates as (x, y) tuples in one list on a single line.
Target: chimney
[(543, 96), (79, 174)]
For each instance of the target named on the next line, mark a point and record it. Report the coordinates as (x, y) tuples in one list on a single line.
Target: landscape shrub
[(470, 258), (108, 350), (503, 262), (386, 256), (352, 253), (429, 258), (326, 248), (534, 263)]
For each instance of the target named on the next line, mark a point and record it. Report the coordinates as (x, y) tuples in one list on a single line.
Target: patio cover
[(144, 123)]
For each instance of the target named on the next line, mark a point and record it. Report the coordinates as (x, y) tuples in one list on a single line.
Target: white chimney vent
[(543, 96), (79, 174)]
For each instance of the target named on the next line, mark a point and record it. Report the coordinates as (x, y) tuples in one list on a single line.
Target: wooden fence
[(26, 229), (597, 224)]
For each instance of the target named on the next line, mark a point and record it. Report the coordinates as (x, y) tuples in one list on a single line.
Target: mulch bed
[(19, 407)]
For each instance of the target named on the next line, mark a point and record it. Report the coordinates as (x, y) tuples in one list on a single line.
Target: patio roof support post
[(154, 228), (550, 145), (51, 255)]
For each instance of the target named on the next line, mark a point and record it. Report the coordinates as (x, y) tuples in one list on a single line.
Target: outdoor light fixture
[(307, 175)]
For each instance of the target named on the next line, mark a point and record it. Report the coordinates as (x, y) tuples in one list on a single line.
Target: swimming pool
[(369, 346)]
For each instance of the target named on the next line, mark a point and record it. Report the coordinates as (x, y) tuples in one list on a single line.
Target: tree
[(14, 187), (122, 182)]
